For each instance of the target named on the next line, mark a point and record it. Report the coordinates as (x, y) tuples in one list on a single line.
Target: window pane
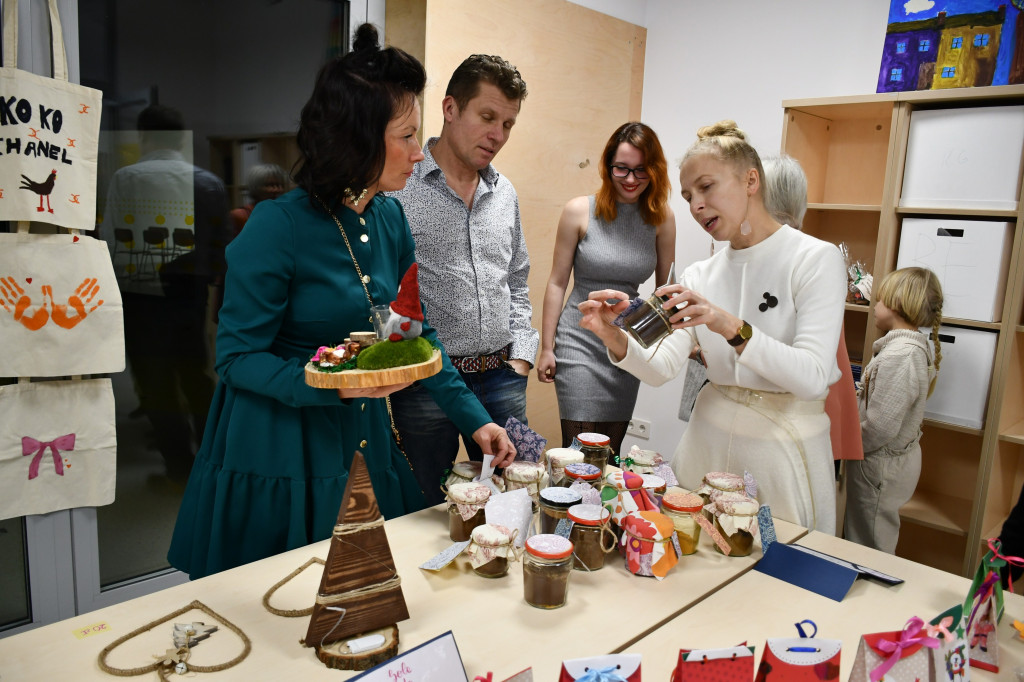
[(14, 600)]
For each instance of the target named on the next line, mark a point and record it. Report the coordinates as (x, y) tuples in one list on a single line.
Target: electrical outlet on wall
[(641, 428)]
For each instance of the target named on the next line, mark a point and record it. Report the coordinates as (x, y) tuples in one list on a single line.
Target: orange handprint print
[(87, 290), (15, 300)]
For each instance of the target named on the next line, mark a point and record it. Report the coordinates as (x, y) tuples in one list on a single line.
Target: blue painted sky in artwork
[(897, 11)]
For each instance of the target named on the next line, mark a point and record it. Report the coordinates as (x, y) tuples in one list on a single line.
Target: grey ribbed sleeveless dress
[(618, 255)]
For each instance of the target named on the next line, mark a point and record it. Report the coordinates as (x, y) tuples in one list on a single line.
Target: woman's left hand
[(698, 310), (493, 440)]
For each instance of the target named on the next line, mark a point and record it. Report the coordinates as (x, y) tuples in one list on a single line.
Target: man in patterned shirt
[(473, 264)]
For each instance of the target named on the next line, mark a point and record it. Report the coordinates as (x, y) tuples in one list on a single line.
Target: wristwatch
[(742, 334)]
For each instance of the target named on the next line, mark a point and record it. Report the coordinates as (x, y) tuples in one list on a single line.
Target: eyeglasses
[(624, 171)]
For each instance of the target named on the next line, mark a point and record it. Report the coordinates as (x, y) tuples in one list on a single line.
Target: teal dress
[(274, 461)]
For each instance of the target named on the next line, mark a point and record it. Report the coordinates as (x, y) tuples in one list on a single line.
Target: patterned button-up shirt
[(473, 263)]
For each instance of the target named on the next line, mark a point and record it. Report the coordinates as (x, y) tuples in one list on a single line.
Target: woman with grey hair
[(785, 186)]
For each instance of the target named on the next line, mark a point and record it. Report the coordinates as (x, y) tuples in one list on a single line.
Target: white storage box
[(961, 392), (967, 158), (970, 257)]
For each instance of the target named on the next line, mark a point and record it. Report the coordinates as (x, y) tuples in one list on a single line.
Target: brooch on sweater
[(769, 302)]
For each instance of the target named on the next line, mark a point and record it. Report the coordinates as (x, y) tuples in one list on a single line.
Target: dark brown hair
[(482, 68)]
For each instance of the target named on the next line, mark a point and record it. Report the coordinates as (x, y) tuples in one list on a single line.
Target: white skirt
[(784, 442)]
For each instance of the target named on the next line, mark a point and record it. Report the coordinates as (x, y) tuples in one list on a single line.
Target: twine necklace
[(364, 280)]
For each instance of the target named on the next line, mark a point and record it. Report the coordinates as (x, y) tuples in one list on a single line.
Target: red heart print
[(75, 239), (29, 280)]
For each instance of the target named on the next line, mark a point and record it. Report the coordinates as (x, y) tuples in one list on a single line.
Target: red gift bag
[(735, 664), (800, 658), (612, 668)]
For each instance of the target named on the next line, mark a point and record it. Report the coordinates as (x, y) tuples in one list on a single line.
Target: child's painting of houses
[(936, 44)]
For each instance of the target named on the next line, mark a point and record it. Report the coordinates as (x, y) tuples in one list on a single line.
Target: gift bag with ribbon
[(733, 664), (51, 137), (57, 446), (983, 608), (795, 659), (909, 655), (60, 307), (953, 651), (612, 668)]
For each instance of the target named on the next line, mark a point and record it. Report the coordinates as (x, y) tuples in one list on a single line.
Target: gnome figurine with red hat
[(406, 320)]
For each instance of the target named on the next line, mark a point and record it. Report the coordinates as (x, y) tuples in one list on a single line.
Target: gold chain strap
[(369, 299)]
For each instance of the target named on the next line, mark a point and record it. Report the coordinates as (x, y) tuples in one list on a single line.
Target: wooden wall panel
[(584, 73)]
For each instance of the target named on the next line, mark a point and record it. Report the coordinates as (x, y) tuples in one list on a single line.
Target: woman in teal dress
[(273, 465)]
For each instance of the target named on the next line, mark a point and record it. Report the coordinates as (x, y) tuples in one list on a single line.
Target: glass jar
[(489, 550), (736, 520), (596, 449), (554, 503), (463, 472), (683, 509), (558, 459), (466, 503), (546, 568), (716, 483), (530, 475), (655, 485), (641, 461), (648, 538), (588, 473), (649, 323), (590, 535)]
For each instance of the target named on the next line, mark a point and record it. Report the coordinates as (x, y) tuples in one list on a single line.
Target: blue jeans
[(431, 440)]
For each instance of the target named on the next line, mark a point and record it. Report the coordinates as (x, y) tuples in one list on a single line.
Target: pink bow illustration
[(909, 637), (31, 446)]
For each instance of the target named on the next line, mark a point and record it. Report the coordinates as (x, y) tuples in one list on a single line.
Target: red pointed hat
[(407, 303)]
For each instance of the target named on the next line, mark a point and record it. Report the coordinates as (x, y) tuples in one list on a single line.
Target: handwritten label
[(435, 661), (89, 630)]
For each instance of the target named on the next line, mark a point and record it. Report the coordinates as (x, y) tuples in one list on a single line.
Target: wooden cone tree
[(356, 561)]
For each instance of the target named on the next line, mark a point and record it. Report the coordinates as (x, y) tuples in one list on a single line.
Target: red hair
[(653, 203)]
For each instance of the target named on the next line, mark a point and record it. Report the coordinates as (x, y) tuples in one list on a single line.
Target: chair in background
[(155, 239), (184, 241), (124, 243)]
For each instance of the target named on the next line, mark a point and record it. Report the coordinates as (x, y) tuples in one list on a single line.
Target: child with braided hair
[(895, 386)]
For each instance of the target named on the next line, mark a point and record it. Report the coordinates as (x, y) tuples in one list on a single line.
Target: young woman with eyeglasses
[(614, 239)]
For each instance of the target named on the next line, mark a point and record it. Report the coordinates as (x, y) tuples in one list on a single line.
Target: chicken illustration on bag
[(43, 189)]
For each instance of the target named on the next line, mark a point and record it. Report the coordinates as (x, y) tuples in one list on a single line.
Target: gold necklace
[(363, 279)]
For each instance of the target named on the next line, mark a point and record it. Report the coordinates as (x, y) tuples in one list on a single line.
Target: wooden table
[(757, 606), (495, 629)]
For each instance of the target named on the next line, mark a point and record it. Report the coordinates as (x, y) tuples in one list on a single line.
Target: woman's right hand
[(371, 391), (546, 366), (599, 317)]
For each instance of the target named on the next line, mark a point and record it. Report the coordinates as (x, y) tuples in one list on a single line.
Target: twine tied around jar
[(482, 553), (606, 531)]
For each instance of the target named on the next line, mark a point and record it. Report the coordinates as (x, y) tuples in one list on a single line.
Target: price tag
[(89, 630)]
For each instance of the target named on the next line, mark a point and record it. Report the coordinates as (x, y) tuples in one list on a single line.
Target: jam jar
[(588, 473), (546, 568), (554, 503), (736, 520), (466, 503), (683, 509), (648, 541), (530, 475), (590, 535), (649, 323), (715, 483), (558, 458), (641, 461), (654, 485), (489, 550), (463, 472), (596, 449)]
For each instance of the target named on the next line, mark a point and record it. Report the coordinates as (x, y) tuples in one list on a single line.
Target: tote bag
[(57, 446), (50, 130), (60, 307)]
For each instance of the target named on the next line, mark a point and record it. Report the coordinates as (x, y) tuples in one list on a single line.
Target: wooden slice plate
[(338, 656), (366, 378)]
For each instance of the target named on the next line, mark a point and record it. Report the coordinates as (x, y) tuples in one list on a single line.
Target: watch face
[(745, 331)]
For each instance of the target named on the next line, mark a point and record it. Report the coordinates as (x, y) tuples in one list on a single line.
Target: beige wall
[(584, 72)]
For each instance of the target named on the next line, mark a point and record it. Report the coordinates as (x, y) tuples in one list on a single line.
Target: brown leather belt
[(482, 363)]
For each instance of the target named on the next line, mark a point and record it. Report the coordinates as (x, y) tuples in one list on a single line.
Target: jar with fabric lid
[(558, 459), (684, 509), (588, 473), (641, 461), (546, 568), (530, 475), (631, 495), (490, 548), (596, 449), (554, 503), (467, 472), (736, 519), (466, 502), (654, 484), (649, 543), (716, 483), (591, 536)]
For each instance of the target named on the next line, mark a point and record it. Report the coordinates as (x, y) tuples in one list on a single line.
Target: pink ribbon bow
[(940, 628), (909, 637), (994, 545), (31, 446)]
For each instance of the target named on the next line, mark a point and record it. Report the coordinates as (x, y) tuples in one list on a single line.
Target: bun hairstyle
[(915, 294), (341, 128), (726, 142)]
